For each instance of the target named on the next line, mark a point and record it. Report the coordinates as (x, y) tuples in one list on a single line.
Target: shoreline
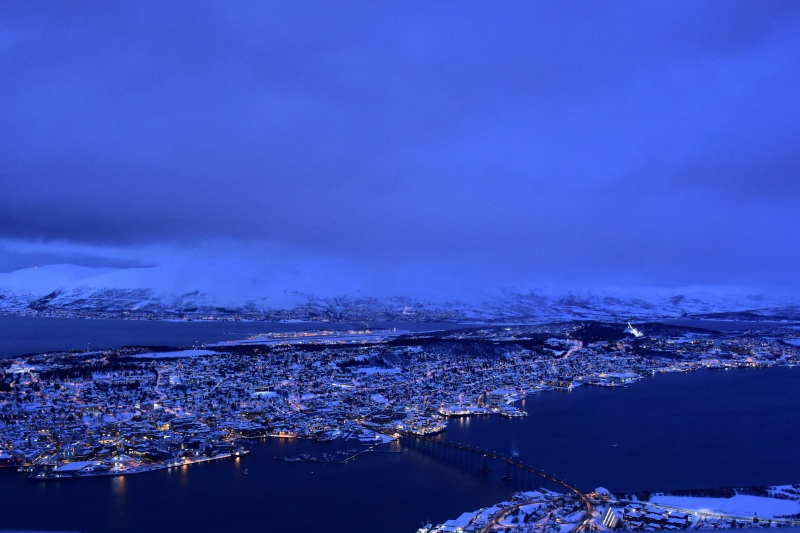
[(55, 475)]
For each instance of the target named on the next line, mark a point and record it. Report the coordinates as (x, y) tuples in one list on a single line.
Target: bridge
[(515, 473)]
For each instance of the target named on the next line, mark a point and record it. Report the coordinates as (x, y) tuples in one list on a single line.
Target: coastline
[(34, 474)]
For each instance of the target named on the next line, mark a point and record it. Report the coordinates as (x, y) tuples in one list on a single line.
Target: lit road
[(505, 512)]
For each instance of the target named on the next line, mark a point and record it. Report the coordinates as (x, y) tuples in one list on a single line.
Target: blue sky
[(586, 143)]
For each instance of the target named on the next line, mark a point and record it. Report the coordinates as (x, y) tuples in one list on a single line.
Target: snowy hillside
[(322, 294)]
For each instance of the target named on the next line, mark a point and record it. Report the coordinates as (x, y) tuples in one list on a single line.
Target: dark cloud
[(16, 256), (650, 142)]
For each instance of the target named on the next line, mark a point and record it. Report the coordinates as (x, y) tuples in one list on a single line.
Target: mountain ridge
[(153, 292)]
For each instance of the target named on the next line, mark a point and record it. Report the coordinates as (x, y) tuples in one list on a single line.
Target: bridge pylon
[(485, 467), (508, 476)]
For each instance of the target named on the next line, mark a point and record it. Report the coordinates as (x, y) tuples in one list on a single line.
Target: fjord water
[(385, 491), (709, 428), (20, 335)]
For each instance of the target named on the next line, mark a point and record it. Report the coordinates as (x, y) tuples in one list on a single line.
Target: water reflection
[(118, 486)]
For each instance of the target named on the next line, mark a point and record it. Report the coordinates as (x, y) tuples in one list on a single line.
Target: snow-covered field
[(170, 355), (375, 370), (739, 505)]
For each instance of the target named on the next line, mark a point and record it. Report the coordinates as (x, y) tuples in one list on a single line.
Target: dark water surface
[(710, 428), (390, 492), (21, 335), (726, 325)]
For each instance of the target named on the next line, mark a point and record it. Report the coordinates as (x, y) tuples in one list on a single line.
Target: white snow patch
[(379, 398), (739, 505), (374, 370), (181, 353)]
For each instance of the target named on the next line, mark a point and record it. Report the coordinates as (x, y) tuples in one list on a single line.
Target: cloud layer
[(641, 143)]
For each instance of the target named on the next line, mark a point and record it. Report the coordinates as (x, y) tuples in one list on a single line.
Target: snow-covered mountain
[(169, 291)]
